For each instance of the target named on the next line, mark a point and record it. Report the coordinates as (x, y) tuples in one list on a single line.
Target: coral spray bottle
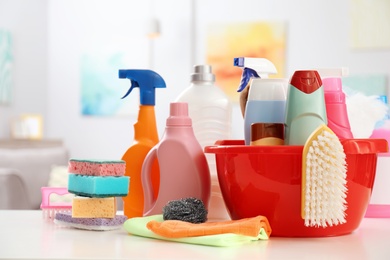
[(184, 171), (145, 138)]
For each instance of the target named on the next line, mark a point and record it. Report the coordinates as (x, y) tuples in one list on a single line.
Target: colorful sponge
[(83, 207), (96, 184), (99, 187), (66, 219), (97, 168)]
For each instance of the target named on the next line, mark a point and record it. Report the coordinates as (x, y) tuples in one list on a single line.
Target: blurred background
[(60, 58)]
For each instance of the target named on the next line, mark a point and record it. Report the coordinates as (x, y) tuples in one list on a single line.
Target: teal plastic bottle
[(305, 107)]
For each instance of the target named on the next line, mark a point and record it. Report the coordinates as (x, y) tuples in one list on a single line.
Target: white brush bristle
[(326, 191), (49, 214)]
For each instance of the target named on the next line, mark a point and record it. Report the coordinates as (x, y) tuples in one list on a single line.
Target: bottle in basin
[(336, 108), (266, 98), (305, 107)]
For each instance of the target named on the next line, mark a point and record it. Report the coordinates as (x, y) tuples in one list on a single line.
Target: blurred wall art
[(101, 89), (370, 24), (225, 41), (6, 60)]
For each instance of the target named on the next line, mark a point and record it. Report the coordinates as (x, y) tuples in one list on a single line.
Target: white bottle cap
[(333, 72), (202, 73), (268, 89)]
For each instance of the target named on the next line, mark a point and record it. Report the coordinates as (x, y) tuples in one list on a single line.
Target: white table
[(24, 234)]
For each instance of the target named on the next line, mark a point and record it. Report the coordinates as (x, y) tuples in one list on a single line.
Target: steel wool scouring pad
[(187, 209)]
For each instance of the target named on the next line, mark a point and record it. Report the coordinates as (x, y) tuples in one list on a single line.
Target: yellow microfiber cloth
[(138, 226), (177, 228)]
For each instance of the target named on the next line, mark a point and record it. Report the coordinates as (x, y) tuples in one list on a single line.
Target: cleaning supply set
[(145, 138), (259, 191), (96, 184), (211, 112), (184, 185), (318, 180)]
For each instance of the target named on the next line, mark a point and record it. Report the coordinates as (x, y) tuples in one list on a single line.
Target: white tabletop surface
[(24, 234)]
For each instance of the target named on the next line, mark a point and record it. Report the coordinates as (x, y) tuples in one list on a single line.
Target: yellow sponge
[(85, 207)]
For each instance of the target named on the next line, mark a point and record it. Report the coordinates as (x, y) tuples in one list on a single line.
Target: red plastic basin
[(266, 180)]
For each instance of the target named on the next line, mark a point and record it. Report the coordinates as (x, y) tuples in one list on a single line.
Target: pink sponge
[(97, 168)]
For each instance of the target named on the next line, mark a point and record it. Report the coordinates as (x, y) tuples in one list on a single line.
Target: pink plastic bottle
[(336, 108), (183, 166)]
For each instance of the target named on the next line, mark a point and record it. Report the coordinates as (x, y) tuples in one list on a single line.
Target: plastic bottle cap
[(178, 114), (268, 89), (263, 130), (333, 72), (332, 84), (203, 73), (306, 81)]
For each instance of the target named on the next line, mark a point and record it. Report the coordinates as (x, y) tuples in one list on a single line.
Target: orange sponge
[(85, 207)]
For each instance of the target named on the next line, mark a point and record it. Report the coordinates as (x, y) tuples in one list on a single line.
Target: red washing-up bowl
[(266, 180)]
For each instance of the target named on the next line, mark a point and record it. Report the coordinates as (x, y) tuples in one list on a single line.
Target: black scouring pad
[(187, 209)]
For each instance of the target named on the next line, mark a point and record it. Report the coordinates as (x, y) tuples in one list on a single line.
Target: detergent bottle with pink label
[(184, 171)]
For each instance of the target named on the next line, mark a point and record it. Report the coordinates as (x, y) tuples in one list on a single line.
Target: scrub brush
[(324, 181), (49, 210)]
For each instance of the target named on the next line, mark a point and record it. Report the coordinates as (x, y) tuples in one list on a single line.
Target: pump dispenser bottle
[(266, 99), (183, 167), (211, 114), (145, 138)]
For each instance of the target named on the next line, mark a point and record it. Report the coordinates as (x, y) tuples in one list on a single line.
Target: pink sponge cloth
[(97, 168), (66, 219)]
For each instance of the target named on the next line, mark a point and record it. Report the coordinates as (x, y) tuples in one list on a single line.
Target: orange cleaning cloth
[(178, 228)]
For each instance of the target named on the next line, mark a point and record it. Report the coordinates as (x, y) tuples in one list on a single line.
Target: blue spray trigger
[(247, 74), (134, 84), (146, 81)]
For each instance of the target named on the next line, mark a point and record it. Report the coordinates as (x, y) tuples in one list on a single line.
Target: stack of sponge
[(96, 185)]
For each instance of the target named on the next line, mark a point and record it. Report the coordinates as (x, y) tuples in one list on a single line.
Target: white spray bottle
[(266, 98), (211, 114)]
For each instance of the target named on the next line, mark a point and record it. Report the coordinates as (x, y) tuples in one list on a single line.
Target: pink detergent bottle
[(183, 166)]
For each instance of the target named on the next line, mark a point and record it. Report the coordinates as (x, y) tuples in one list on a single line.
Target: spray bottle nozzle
[(146, 81), (253, 68), (239, 62)]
